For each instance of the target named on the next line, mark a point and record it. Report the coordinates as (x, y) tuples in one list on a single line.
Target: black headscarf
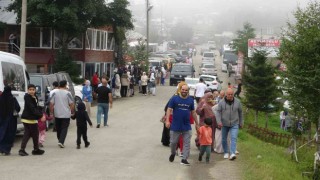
[(6, 102)]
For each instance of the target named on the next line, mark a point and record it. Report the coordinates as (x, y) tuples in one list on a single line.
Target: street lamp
[(149, 7)]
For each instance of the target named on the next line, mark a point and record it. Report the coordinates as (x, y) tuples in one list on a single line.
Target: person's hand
[(168, 124), (241, 126), (197, 127), (91, 126), (110, 106), (220, 125), (43, 118)]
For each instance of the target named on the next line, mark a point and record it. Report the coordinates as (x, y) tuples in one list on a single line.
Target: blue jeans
[(103, 108), (234, 135)]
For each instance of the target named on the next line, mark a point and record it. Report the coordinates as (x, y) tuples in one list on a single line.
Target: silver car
[(208, 69)]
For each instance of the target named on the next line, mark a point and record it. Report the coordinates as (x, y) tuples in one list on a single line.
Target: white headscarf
[(88, 85), (152, 78)]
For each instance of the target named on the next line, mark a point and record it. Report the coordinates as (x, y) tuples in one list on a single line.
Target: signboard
[(271, 46)]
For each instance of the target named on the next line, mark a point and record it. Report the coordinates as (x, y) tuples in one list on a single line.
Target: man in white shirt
[(200, 89)]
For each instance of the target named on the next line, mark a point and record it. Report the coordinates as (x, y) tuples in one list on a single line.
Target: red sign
[(264, 43)]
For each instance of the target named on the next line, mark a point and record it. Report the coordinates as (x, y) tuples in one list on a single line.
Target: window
[(57, 39), (13, 76), (110, 42), (45, 37), (98, 40), (89, 39), (75, 43), (33, 39)]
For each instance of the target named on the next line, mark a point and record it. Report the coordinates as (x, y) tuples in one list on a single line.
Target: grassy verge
[(263, 160)]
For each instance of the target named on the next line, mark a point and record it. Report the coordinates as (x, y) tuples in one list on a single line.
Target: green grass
[(275, 161)]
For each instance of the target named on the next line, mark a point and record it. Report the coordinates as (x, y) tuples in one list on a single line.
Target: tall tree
[(300, 50), (121, 19), (240, 43), (70, 18), (260, 84)]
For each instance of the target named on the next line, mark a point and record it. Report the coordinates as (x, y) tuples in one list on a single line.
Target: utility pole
[(148, 8), (23, 30)]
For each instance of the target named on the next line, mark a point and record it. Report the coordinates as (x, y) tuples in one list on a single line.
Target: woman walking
[(144, 83), (87, 96), (9, 108)]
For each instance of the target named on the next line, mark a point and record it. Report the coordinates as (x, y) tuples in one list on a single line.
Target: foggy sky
[(220, 15)]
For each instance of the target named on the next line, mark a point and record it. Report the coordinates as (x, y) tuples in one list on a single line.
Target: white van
[(13, 73)]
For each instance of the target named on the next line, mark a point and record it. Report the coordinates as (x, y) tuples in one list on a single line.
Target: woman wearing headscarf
[(118, 85), (87, 96), (153, 84), (144, 83), (124, 84), (9, 108), (163, 75), (204, 110)]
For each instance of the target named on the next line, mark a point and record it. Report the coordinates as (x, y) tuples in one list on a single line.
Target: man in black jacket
[(29, 118)]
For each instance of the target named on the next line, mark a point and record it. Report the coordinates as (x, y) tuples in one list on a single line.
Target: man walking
[(62, 106), (180, 107), (200, 89), (229, 117), (104, 99)]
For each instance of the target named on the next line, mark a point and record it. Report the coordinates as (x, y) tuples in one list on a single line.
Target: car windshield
[(208, 55), (208, 66), (36, 80), (207, 78), (230, 57), (192, 81), (181, 68), (185, 53)]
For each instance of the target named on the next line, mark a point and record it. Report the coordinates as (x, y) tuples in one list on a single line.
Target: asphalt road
[(129, 148)]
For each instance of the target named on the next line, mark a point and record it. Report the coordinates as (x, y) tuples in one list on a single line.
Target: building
[(93, 51)]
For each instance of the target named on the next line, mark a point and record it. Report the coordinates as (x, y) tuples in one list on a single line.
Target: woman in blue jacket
[(87, 96)]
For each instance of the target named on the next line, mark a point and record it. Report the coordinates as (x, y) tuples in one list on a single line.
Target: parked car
[(212, 82), (228, 58), (208, 56), (182, 55), (192, 85), (155, 62), (180, 71), (208, 69), (13, 73)]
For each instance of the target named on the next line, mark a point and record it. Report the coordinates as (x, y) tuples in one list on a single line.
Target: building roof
[(5, 16)]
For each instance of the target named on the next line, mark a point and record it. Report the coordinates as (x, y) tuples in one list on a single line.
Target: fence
[(9, 47), (273, 137)]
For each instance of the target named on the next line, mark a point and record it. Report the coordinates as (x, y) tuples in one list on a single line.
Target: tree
[(121, 19), (260, 84), (139, 54), (70, 18), (181, 33), (240, 43), (300, 50)]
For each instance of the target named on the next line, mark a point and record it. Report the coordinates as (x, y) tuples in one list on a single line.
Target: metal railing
[(9, 47)]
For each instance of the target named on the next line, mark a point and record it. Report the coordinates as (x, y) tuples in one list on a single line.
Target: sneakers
[(37, 152), (171, 158), (185, 162), (98, 125), (200, 158), (87, 144), (60, 145), (23, 153), (181, 155), (226, 156), (78, 146), (233, 157)]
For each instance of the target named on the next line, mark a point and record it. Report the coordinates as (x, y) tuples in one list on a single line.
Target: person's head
[(201, 80), (104, 81), (81, 106), (208, 121), (229, 84), (184, 91), (55, 84), (144, 73), (87, 83), (63, 84), (209, 98), (7, 91), (229, 94), (222, 93), (31, 89)]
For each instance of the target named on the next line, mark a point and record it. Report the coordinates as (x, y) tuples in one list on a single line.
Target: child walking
[(29, 118), (205, 139), (42, 125), (82, 118)]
